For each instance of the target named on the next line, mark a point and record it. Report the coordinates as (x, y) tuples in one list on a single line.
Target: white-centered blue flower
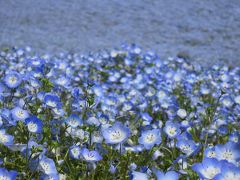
[(5, 139), (34, 124), (228, 172), (52, 101), (229, 152), (135, 175), (172, 129), (75, 152), (188, 147), (169, 175), (19, 114), (47, 166), (7, 175), (150, 137), (118, 133), (91, 156), (208, 168), (13, 79), (74, 121)]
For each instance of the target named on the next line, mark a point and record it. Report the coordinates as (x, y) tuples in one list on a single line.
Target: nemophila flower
[(103, 119), (49, 177), (118, 133), (93, 121), (182, 113), (150, 137), (157, 154), (188, 147), (52, 101), (208, 168), (97, 137), (135, 175), (34, 124), (47, 166), (19, 114), (169, 175), (13, 79), (98, 90), (35, 83), (63, 81), (228, 171), (91, 156), (74, 121), (36, 62), (227, 101), (210, 152), (4, 91), (229, 152), (7, 175), (234, 137), (237, 99), (75, 152), (146, 117), (5, 139), (172, 129)]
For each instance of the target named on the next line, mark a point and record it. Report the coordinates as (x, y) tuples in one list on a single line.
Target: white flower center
[(32, 127), (45, 166), (231, 175), (171, 131), (20, 114), (75, 151), (211, 154), (228, 155), (3, 138), (12, 79), (150, 138), (116, 135), (2, 177), (51, 103), (210, 172)]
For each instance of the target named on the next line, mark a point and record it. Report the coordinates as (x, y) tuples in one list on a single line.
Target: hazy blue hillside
[(207, 31)]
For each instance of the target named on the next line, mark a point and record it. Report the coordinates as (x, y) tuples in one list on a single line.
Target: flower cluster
[(119, 114)]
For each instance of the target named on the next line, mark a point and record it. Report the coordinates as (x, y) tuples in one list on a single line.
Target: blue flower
[(52, 101), (74, 121), (13, 79), (235, 137), (228, 171), (208, 168), (169, 175), (75, 152), (150, 137), (5, 139), (146, 117), (8, 175), (47, 166), (172, 129), (36, 62), (34, 124), (19, 114), (138, 176), (49, 177), (210, 152), (188, 147), (91, 156), (116, 134), (229, 152)]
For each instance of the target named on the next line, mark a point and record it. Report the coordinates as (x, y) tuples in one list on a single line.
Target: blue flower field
[(117, 114)]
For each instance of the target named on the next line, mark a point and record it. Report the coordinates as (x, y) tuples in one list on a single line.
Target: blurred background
[(206, 31)]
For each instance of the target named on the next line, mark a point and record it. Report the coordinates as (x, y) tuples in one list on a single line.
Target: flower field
[(119, 114)]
